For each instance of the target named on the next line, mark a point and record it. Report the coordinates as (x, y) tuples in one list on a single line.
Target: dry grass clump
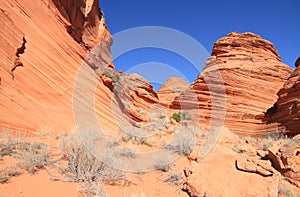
[(182, 144), (36, 156), (28, 156), (8, 172), (85, 169), (162, 165), (174, 178), (268, 140), (285, 191), (10, 145)]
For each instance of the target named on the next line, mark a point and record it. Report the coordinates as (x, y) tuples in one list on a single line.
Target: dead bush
[(84, 168)]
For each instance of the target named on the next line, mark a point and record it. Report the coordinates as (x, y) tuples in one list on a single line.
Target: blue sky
[(205, 21)]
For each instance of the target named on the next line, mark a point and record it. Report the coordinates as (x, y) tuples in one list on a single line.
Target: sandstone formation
[(56, 69), (226, 173), (285, 158), (40, 60), (252, 73), (135, 96), (297, 63), (36, 82), (84, 18), (172, 88), (286, 111)]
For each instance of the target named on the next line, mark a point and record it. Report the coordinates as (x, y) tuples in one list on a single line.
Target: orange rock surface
[(40, 60), (252, 73), (56, 69), (286, 111)]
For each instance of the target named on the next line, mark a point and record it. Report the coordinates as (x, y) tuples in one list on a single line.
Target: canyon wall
[(40, 60)]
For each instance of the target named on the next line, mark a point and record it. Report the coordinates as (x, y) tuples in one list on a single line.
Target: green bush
[(113, 75), (181, 116)]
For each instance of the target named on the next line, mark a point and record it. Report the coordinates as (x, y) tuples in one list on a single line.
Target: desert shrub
[(236, 149), (182, 144), (174, 178), (275, 136), (3, 178), (161, 164), (84, 168), (265, 144), (37, 156), (125, 152), (6, 149), (8, 172), (181, 116), (31, 156), (283, 191), (94, 189), (268, 140), (10, 145), (113, 75)]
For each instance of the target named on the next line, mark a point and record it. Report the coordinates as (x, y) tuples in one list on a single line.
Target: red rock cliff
[(84, 19), (286, 111), (40, 60), (252, 74)]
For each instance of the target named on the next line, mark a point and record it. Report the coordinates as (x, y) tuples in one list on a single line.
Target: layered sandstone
[(284, 156), (84, 20), (238, 84), (135, 96), (172, 88), (239, 170), (286, 111), (251, 72), (40, 61)]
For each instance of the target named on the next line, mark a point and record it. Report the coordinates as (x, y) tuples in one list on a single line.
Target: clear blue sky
[(206, 21)]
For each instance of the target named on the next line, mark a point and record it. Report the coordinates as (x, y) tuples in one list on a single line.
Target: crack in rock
[(18, 62)]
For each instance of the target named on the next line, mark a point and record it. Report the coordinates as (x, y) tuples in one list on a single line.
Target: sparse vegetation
[(125, 152), (283, 191), (86, 169), (181, 116), (236, 149), (3, 177), (9, 145), (113, 75), (138, 140), (161, 164), (8, 172), (36, 157), (28, 156), (174, 178), (182, 144), (268, 140)]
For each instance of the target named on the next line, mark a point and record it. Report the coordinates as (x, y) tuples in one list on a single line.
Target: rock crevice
[(18, 62)]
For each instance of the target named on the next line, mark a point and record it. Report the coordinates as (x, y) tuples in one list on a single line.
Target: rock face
[(135, 95), (40, 60), (285, 158), (286, 111), (226, 173), (84, 20), (297, 63), (252, 73), (39, 69), (172, 88)]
